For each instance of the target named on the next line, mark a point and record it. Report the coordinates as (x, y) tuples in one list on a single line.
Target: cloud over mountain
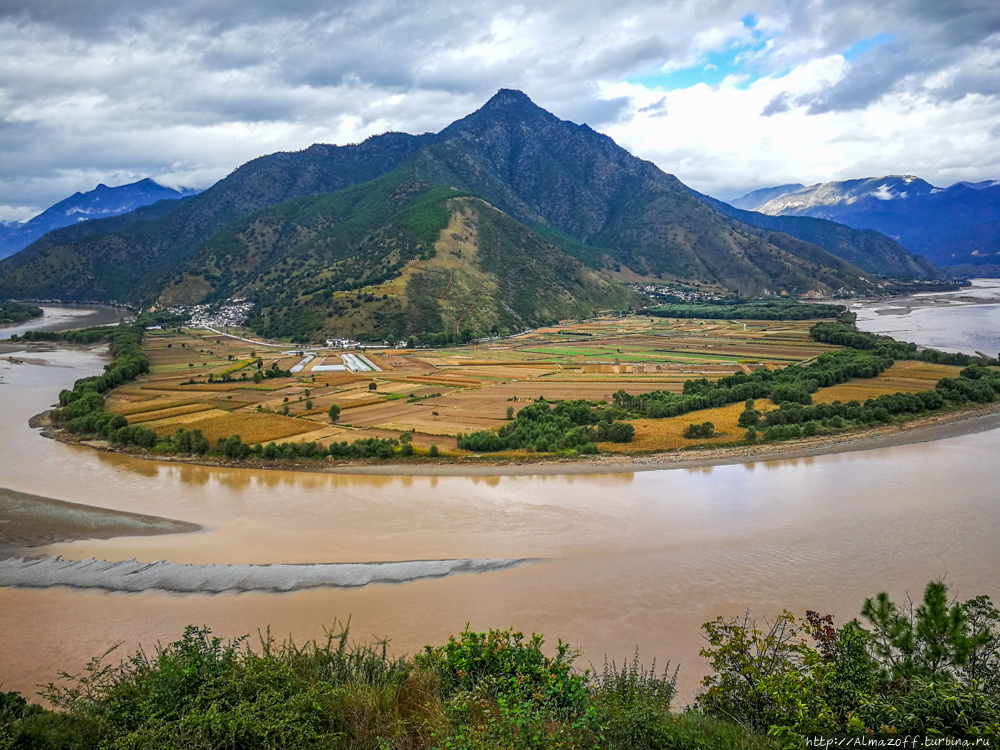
[(754, 92)]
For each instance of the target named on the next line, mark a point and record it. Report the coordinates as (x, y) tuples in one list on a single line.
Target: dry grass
[(128, 409), (170, 425), (162, 414), (903, 377), (251, 427), (194, 388), (668, 434)]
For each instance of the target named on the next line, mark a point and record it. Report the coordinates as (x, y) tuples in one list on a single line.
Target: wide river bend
[(631, 559)]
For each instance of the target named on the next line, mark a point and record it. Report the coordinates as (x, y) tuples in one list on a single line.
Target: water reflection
[(64, 317), (945, 320)]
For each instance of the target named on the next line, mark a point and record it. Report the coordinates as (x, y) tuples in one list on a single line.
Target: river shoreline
[(937, 426), (32, 521)]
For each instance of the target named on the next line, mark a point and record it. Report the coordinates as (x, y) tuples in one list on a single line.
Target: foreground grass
[(930, 671), (481, 690)]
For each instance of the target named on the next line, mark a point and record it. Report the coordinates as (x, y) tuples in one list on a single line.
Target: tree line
[(744, 309), (793, 383), (844, 332), (18, 312), (864, 355), (542, 428)]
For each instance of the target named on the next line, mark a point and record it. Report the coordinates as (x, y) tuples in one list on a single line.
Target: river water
[(633, 559), (967, 320), (65, 317)]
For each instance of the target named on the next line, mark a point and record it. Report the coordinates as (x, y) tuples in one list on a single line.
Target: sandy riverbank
[(28, 521), (920, 430)]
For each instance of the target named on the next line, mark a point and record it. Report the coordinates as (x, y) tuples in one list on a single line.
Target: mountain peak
[(507, 98)]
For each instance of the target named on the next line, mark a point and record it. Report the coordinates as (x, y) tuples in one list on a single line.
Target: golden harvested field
[(170, 425), (214, 387), (468, 388), (668, 434), (152, 416), (251, 427), (126, 408), (908, 377)]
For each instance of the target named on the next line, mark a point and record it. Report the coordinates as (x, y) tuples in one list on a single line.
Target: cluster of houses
[(232, 313), (686, 295)]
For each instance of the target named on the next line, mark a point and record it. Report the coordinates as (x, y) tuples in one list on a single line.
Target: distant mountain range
[(506, 218), (956, 227), (99, 203), (754, 200)]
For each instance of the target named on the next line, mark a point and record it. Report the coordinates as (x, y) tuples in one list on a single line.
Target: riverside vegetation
[(16, 312), (931, 670)]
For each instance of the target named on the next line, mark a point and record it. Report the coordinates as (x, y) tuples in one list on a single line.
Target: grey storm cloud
[(186, 90), (957, 40)]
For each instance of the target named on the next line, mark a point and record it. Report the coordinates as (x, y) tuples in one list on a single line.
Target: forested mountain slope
[(292, 231)]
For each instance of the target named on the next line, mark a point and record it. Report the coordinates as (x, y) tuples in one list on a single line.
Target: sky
[(729, 95)]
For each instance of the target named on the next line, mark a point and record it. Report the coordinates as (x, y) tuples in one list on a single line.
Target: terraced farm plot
[(668, 434), (118, 406), (476, 383), (251, 427), (164, 414), (908, 377)]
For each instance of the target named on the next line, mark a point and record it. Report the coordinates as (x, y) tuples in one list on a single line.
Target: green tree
[(334, 412), (925, 641)]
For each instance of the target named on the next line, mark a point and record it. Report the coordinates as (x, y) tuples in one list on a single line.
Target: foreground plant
[(929, 669)]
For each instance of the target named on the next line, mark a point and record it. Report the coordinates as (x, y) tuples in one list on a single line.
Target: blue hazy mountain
[(757, 198), (99, 203), (952, 227)]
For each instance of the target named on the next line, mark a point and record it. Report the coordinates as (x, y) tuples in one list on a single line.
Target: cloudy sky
[(729, 95)]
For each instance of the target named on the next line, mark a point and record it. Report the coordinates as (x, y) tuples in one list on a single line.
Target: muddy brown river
[(628, 560)]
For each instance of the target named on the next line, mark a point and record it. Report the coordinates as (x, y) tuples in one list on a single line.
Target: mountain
[(99, 203), (393, 255), (979, 185), (633, 219), (529, 216), (867, 249), (757, 198), (974, 252), (924, 219)]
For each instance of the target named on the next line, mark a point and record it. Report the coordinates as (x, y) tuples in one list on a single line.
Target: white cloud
[(100, 91)]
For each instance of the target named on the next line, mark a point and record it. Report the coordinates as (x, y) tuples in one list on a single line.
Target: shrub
[(703, 430)]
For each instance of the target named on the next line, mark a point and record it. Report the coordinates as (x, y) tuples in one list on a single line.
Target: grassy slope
[(356, 262)]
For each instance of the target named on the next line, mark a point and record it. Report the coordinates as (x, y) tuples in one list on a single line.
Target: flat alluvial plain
[(205, 381)]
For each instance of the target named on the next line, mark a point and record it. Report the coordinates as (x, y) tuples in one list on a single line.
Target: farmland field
[(202, 380)]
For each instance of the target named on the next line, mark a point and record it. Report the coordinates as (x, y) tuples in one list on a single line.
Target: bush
[(916, 669), (703, 430), (501, 664)]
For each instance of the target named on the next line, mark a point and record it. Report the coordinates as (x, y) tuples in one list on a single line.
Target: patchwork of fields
[(437, 394)]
